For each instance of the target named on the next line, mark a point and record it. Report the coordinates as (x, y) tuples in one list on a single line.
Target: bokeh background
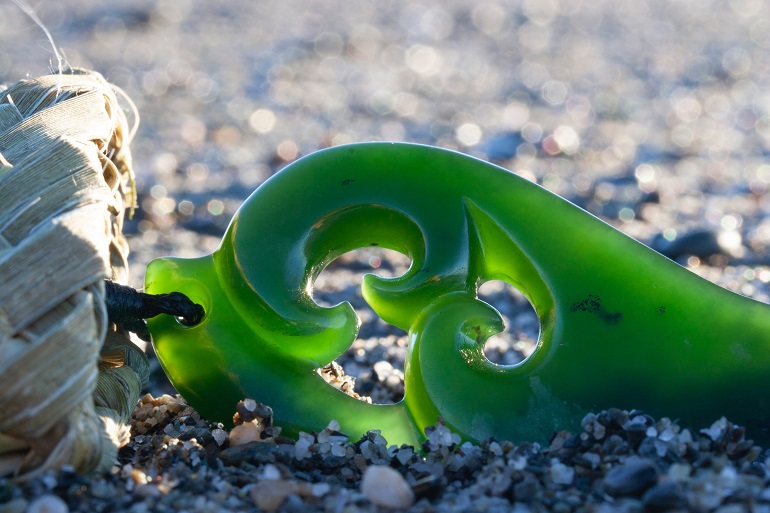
[(653, 115)]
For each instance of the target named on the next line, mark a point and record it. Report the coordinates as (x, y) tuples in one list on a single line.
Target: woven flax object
[(65, 175)]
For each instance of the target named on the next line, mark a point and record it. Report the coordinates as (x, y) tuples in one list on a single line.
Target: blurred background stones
[(654, 116)]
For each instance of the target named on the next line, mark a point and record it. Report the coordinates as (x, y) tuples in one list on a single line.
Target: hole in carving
[(373, 367), (522, 325), (186, 323)]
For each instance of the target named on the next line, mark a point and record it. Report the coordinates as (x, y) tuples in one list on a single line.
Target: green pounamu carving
[(621, 326)]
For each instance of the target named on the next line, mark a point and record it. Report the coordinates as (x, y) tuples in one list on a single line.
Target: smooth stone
[(702, 244), (48, 504), (385, 487), (245, 433), (562, 474), (254, 453), (632, 478), (269, 495), (664, 496)]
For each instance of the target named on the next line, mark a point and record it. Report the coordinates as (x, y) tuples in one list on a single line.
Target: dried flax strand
[(65, 183)]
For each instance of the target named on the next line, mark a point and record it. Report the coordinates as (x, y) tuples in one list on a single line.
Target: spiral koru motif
[(621, 326)]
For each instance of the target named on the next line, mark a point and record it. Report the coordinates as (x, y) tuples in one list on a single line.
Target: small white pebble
[(716, 429), (593, 458), (338, 439), (50, 480), (728, 476), (385, 487), (518, 462), (679, 471), (404, 455), (667, 434), (495, 449), (588, 422), (378, 438), (367, 449), (319, 489), (220, 435), (562, 474), (338, 450), (48, 504), (302, 449), (270, 473)]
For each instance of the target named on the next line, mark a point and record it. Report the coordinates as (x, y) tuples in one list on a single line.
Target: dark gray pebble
[(636, 433), (254, 452), (632, 478), (429, 487), (202, 434), (664, 496), (700, 243), (526, 489)]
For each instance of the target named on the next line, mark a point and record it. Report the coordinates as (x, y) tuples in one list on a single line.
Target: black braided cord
[(129, 308)]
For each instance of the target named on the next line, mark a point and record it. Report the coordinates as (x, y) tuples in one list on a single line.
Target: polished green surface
[(621, 326)]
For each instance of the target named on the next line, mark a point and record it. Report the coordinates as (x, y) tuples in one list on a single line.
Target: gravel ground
[(653, 115)]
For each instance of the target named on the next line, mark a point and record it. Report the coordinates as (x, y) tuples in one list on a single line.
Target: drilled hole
[(375, 361), (522, 325), (186, 323)]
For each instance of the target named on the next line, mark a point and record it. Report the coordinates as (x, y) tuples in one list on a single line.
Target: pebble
[(254, 452), (302, 447), (220, 436), (48, 504), (562, 474), (385, 487), (632, 478), (245, 433), (666, 495), (702, 244), (269, 495)]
